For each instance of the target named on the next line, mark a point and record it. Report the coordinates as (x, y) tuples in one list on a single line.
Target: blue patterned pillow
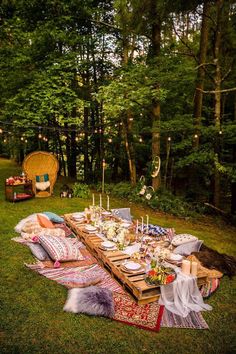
[(53, 217), (42, 178)]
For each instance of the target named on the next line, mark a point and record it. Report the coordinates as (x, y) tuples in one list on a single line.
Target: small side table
[(19, 191)]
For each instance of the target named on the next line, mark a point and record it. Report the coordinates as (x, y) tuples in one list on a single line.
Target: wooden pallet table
[(112, 261)]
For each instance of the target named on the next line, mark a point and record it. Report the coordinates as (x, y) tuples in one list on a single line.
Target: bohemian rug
[(149, 316), (194, 320)]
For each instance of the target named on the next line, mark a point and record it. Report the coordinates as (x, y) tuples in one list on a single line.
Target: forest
[(129, 85)]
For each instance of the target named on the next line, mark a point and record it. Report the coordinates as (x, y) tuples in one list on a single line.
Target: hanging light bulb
[(195, 136), (1, 131), (110, 140), (26, 141), (5, 140), (22, 138), (140, 140), (77, 138), (131, 119), (40, 136), (169, 138), (121, 123), (220, 132)]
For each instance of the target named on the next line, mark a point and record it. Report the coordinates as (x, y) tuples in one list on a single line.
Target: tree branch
[(221, 91)]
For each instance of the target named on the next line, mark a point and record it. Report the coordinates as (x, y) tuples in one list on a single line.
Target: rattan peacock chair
[(41, 167)]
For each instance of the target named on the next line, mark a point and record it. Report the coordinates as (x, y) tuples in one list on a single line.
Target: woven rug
[(73, 277), (146, 316), (194, 320)]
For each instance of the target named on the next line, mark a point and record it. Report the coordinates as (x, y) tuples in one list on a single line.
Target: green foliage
[(81, 190)]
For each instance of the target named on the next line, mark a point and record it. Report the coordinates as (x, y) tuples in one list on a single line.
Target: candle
[(108, 203), (186, 267), (194, 266), (100, 197), (147, 223), (137, 227), (142, 224), (93, 200)]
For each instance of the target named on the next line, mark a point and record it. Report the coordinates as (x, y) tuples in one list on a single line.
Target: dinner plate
[(175, 257), (78, 215), (107, 244), (90, 228), (132, 266), (106, 213), (125, 224)]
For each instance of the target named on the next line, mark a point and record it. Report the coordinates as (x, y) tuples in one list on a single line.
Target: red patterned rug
[(146, 316)]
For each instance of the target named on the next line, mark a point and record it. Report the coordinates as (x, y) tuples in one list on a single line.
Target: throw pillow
[(187, 248), (57, 232), (42, 178), (91, 301), (31, 227), (38, 251), (61, 249), (44, 221), (53, 217), (21, 223), (183, 238), (42, 186)]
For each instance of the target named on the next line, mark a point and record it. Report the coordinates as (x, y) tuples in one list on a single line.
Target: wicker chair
[(39, 163)]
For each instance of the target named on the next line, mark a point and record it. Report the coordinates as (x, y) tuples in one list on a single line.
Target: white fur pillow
[(91, 300)]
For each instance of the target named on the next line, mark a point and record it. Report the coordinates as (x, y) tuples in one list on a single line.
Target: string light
[(77, 138), (22, 138), (26, 141), (110, 140), (5, 140), (131, 119), (195, 136), (1, 131), (40, 136), (220, 132), (169, 138), (140, 140)]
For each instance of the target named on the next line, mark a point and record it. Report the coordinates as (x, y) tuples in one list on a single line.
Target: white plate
[(125, 224), (90, 228), (108, 244), (175, 257), (106, 213), (78, 215), (132, 266)]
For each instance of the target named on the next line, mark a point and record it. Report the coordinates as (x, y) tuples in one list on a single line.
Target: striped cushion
[(61, 249)]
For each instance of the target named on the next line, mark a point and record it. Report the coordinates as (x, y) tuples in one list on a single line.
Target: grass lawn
[(32, 319)]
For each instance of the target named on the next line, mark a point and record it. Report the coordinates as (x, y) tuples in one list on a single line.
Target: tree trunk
[(197, 112), (156, 109), (217, 96), (86, 157), (128, 135)]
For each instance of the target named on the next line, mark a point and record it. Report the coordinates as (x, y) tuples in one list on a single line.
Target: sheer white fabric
[(182, 296)]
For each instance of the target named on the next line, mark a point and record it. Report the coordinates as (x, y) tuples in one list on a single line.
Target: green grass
[(32, 319)]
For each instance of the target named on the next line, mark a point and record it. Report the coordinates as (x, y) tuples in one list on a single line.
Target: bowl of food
[(160, 276)]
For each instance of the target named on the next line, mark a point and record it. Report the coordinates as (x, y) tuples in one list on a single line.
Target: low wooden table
[(112, 261)]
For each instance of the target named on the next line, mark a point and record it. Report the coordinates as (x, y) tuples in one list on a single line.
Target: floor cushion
[(53, 217), (44, 221), (91, 301), (60, 248)]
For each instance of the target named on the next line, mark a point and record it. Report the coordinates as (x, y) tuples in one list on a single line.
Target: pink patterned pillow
[(61, 249)]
